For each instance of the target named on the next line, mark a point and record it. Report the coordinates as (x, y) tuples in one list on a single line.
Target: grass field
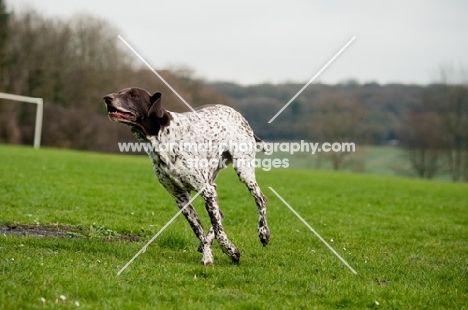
[(407, 239)]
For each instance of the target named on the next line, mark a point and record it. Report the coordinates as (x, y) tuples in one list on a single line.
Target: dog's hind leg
[(246, 174)]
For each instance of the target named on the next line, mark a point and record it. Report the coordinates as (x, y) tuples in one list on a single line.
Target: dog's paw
[(207, 261), (235, 255), (264, 235), (207, 257)]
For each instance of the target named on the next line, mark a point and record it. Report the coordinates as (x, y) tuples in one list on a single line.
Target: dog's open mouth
[(119, 114)]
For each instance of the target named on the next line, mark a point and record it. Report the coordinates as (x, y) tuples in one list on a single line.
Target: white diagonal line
[(159, 232), (313, 230), (312, 79), (158, 75)]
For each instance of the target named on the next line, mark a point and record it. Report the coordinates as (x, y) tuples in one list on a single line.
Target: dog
[(219, 126)]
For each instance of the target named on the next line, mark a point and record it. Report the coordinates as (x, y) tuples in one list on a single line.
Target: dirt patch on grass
[(39, 230), (59, 231)]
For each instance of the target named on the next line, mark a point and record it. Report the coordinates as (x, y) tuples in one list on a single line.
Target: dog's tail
[(261, 142)]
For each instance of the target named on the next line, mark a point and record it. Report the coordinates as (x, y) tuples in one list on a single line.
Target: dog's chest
[(181, 158)]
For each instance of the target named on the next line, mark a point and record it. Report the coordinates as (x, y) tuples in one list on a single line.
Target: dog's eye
[(133, 94)]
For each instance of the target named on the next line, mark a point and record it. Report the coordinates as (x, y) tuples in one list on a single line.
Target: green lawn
[(407, 239)]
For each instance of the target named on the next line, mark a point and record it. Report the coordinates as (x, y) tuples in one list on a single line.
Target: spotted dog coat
[(174, 167)]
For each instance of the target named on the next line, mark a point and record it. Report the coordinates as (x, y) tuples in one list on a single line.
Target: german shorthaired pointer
[(223, 128)]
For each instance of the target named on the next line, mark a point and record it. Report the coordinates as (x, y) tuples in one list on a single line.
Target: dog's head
[(138, 108)]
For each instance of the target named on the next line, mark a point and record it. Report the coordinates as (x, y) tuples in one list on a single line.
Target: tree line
[(429, 122)]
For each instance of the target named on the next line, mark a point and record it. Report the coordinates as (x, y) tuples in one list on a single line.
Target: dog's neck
[(151, 126), (153, 151)]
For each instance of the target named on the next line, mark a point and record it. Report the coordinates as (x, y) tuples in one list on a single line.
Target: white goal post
[(39, 111)]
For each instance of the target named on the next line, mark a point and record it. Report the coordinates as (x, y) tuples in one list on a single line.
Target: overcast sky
[(277, 41)]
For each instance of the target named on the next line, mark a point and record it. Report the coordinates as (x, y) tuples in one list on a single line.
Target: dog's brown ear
[(156, 108)]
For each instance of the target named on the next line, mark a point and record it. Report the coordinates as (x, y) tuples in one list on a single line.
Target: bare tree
[(438, 129), (453, 107), (337, 119), (424, 142)]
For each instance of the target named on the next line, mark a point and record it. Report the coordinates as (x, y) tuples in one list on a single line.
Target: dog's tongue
[(120, 115)]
